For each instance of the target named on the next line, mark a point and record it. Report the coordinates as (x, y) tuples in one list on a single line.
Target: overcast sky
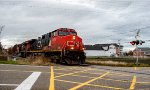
[(96, 21)]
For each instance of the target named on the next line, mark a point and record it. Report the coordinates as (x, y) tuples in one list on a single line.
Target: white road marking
[(29, 82), (9, 84)]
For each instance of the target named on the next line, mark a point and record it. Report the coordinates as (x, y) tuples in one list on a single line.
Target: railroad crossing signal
[(137, 42), (141, 42), (133, 42)]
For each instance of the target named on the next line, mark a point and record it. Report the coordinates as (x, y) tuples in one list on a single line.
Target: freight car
[(62, 45)]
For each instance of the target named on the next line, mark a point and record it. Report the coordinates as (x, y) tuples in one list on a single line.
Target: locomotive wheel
[(58, 61), (68, 61), (75, 58), (79, 59), (82, 59), (23, 54), (55, 59)]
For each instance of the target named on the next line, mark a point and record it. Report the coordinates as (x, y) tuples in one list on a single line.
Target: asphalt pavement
[(61, 77)]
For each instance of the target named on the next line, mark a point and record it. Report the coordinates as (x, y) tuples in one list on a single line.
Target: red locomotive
[(62, 45)]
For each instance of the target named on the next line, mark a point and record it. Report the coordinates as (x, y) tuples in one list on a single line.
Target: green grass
[(39, 61), (104, 61), (8, 62), (123, 61)]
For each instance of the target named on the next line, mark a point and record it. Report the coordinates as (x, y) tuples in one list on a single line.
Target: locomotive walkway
[(59, 77)]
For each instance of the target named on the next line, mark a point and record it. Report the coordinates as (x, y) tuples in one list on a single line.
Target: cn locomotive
[(62, 46)]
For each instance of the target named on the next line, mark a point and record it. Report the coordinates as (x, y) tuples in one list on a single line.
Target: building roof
[(116, 45), (93, 47), (99, 46)]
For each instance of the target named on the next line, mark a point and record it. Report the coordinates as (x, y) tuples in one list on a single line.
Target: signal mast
[(1, 29), (136, 42)]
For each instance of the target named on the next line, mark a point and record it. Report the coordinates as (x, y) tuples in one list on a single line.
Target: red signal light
[(137, 42), (133, 42)]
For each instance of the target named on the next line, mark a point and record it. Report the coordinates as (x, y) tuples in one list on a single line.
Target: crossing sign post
[(136, 42)]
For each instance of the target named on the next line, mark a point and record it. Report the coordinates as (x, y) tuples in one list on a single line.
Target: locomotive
[(62, 46)]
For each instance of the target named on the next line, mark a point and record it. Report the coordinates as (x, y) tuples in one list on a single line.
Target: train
[(62, 45)]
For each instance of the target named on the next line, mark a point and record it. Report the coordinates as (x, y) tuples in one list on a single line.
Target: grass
[(104, 61), (7, 62), (38, 61), (125, 62)]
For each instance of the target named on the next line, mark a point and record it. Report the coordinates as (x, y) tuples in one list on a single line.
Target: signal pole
[(137, 52), (1, 29), (119, 47), (137, 42), (137, 55)]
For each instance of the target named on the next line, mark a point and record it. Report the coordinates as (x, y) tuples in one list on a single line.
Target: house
[(143, 52), (103, 50)]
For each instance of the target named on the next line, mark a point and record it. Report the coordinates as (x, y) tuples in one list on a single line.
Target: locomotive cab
[(66, 39), (69, 44)]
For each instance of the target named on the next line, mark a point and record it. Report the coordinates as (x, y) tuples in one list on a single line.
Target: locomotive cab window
[(73, 33), (43, 37), (54, 33), (63, 33), (49, 34)]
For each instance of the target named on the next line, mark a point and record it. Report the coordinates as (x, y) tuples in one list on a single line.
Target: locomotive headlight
[(72, 48), (74, 37), (83, 48)]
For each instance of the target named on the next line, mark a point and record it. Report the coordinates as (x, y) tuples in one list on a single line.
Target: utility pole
[(136, 43), (137, 52), (137, 55), (1, 29), (119, 47)]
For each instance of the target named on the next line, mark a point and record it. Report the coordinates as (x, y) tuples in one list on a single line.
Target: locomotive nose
[(73, 43)]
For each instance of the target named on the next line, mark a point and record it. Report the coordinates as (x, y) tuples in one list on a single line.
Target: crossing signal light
[(133, 42), (141, 42), (137, 42)]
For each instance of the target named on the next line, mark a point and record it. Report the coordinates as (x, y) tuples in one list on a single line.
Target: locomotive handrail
[(63, 48)]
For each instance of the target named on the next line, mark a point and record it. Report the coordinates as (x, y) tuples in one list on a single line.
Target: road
[(60, 77)]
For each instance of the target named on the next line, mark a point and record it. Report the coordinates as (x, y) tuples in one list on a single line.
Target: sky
[(96, 21)]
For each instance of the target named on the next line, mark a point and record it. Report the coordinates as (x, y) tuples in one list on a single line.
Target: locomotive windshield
[(63, 33), (66, 32), (73, 33)]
